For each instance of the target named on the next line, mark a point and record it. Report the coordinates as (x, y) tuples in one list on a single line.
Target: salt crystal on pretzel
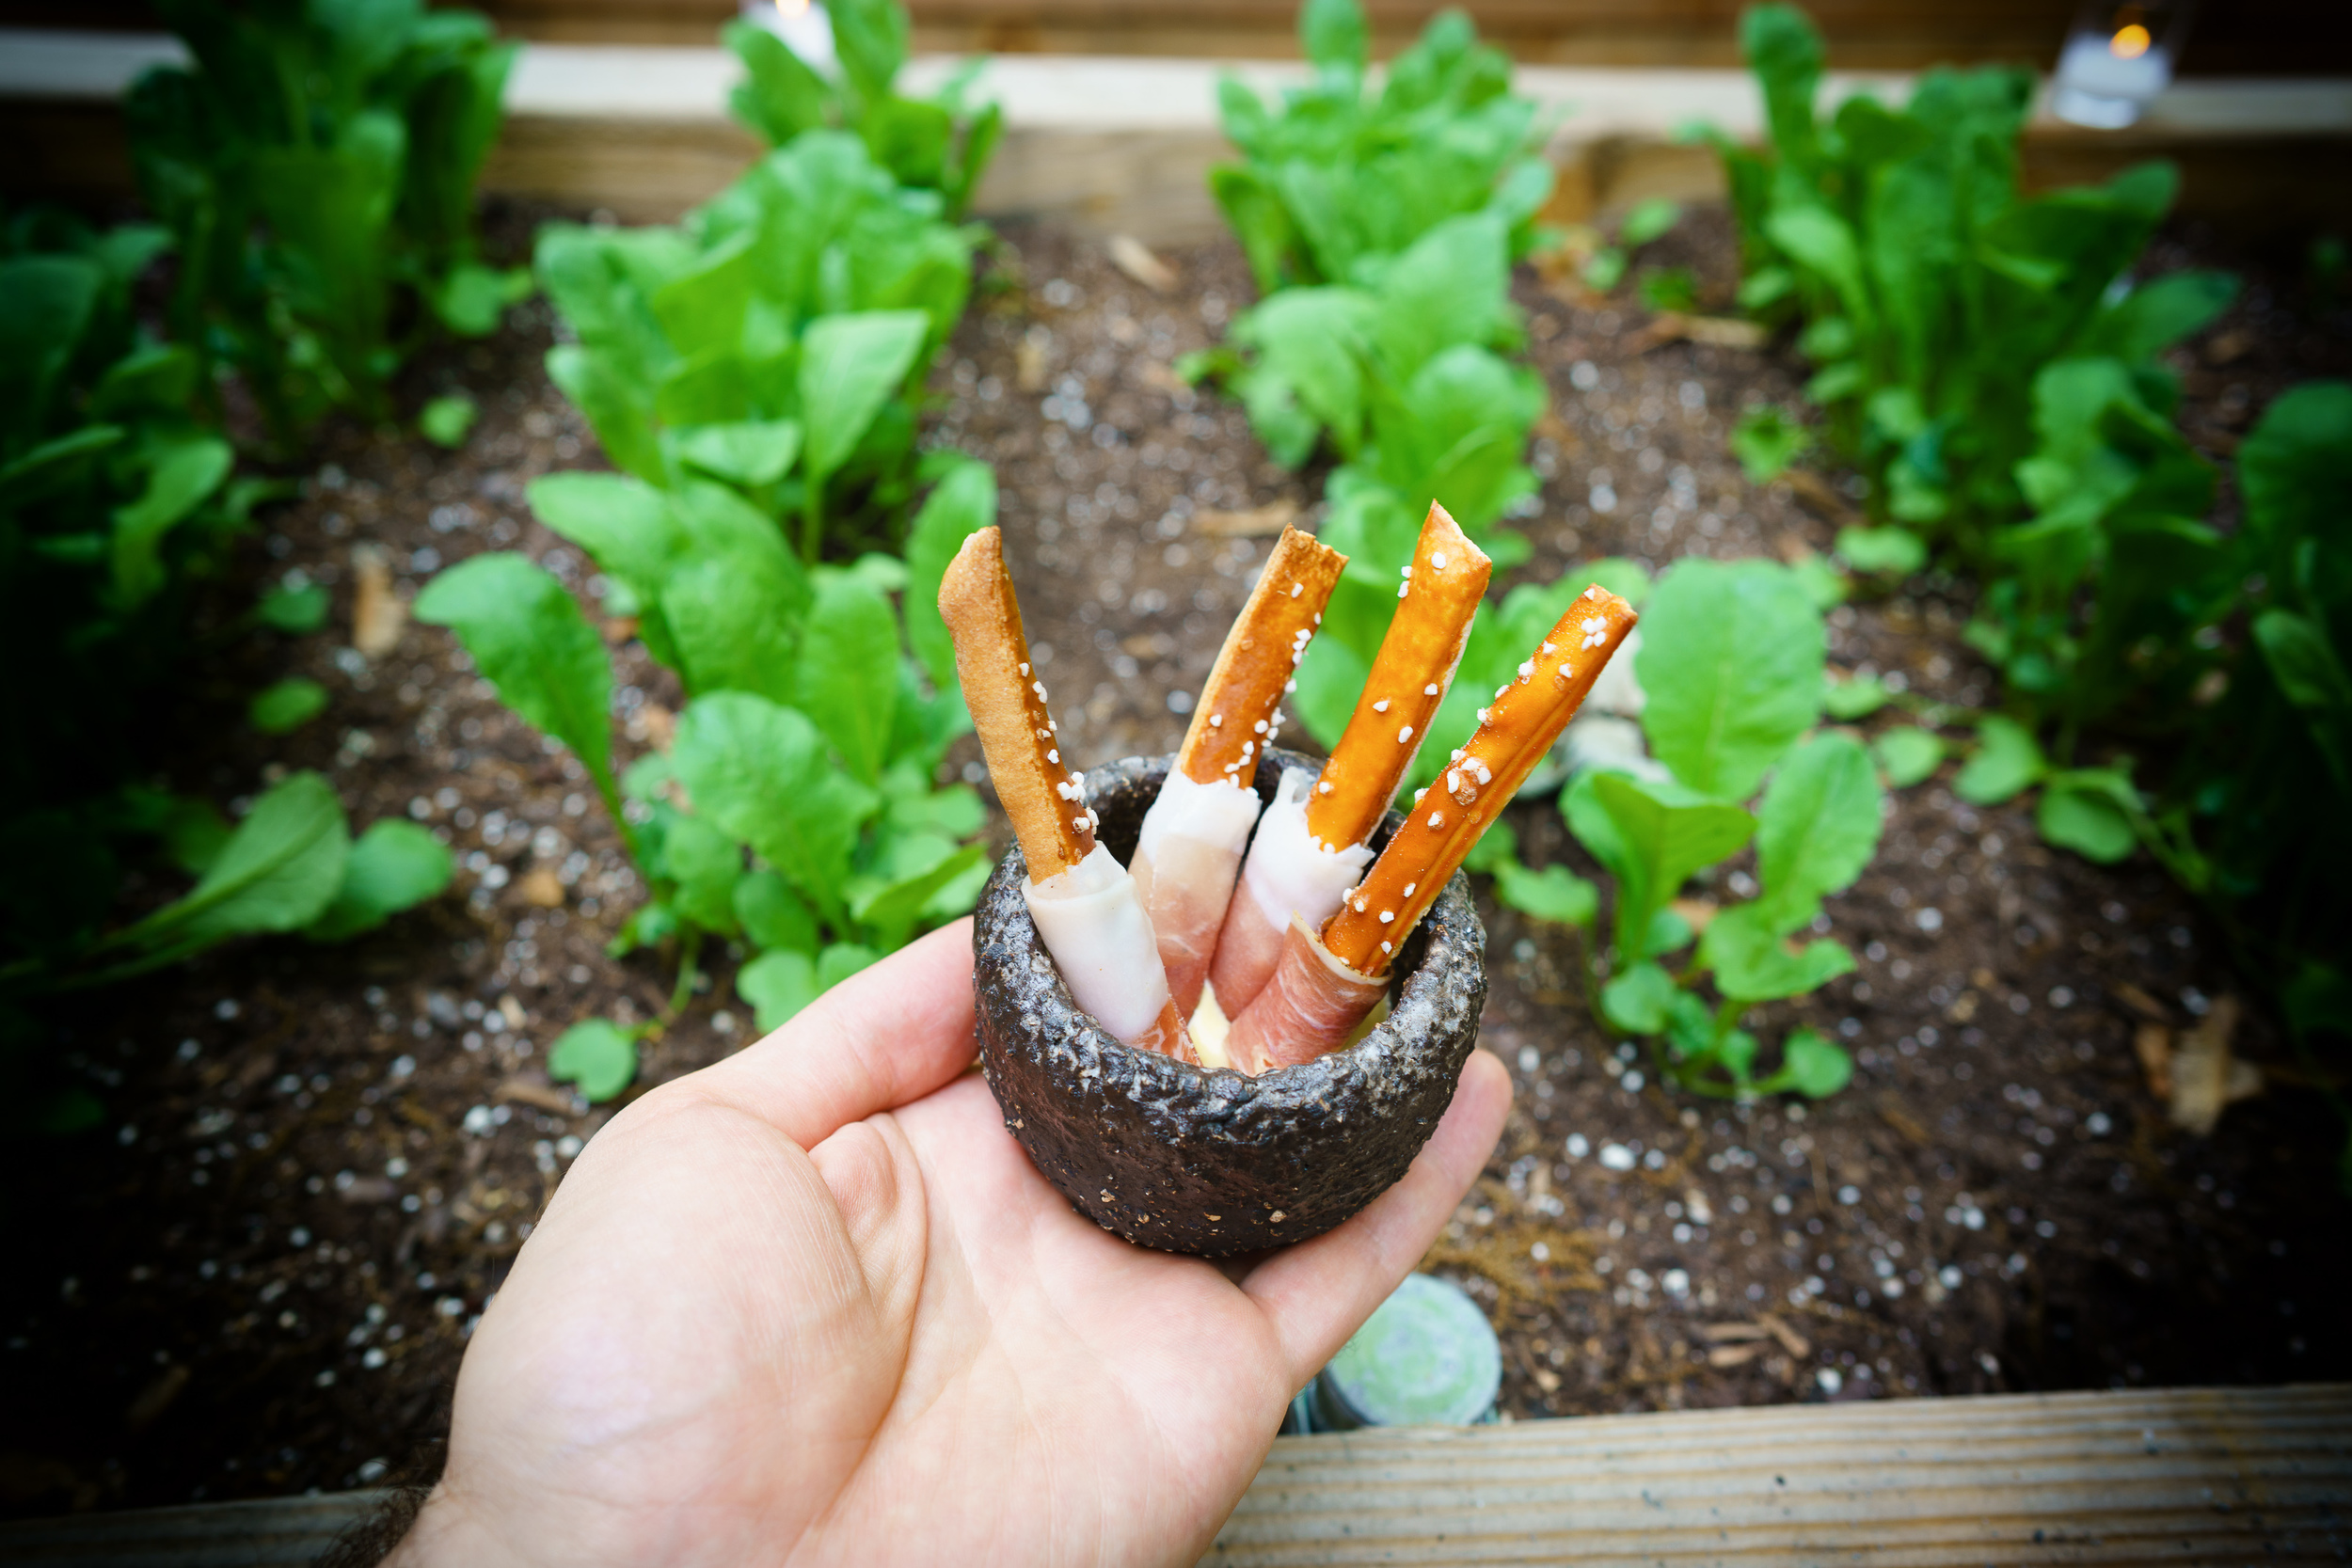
[(1190, 846), (1087, 908), (1310, 847), (1311, 1003)]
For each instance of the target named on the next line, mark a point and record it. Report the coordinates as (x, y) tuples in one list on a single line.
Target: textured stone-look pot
[(1212, 1162)]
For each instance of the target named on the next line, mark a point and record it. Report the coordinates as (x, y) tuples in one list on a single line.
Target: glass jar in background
[(2117, 60)]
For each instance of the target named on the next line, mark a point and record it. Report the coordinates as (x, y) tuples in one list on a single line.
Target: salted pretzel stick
[(1086, 906), (1308, 849), (1324, 984), (1190, 850)]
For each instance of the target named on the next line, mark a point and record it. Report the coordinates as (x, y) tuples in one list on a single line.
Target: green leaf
[(748, 452), (707, 866), (890, 910), (184, 474), (1857, 698), (1555, 892), (778, 984), (1813, 1064), (624, 524), (278, 872), (287, 705), (1335, 36), (1766, 440), (848, 679), (2007, 759), (1648, 220), (1895, 552), (760, 773), (961, 505), (446, 420), (2090, 810), (599, 1055), (1659, 835), (1637, 1000), (773, 915), (295, 611), (530, 640), (850, 365), (1731, 661), (842, 959), (1751, 963), (1816, 828), (395, 865), (1909, 754)]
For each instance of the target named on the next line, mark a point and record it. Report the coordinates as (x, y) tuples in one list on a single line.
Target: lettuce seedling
[(774, 343), (941, 143), (316, 164), (1335, 180), (795, 810), (1731, 664)]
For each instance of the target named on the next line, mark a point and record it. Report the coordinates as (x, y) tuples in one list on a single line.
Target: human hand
[(814, 1304)]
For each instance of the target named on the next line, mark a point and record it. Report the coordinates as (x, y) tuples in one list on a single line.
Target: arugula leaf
[(530, 640), (963, 503), (599, 1055), (1813, 1064), (778, 984), (278, 872), (773, 915), (707, 866), (1554, 894), (1638, 1001), (2091, 811), (1731, 659), (286, 706), (1751, 963), (1815, 829), (446, 420), (1909, 754), (295, 611), (1895, 552), (761, 773), (1652, 835), (395, 865), (2006, 761), (849, 365), (849, 673)]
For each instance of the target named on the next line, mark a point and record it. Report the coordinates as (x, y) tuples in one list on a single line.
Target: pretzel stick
[(1307, 851), (1084, 903), (1190, 847), (1512, 738), (1310, 1006), (1438, 601)]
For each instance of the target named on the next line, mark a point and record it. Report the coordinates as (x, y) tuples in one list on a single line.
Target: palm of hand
[(769, 1316)]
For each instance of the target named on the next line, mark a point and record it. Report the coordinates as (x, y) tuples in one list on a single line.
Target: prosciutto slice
[(1309, 1007), (1290, 874), (1092, 920), (1185, 862)]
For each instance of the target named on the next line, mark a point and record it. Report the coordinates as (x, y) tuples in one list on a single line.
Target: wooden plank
[(2172, 1476), (2177, 1476), (1122, 144)]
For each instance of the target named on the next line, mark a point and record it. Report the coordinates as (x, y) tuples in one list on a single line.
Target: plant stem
[(690, 950), (813, 522)]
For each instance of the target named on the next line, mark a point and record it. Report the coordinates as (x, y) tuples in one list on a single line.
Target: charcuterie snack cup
[(1209, 1161)]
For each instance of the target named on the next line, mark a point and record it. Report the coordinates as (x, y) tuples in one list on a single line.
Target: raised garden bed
[(257, 1278)]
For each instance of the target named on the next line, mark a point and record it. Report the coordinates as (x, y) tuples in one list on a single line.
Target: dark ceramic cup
[(1215, 1163)]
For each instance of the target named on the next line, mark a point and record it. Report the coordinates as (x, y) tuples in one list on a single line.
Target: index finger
[(885, 1036)]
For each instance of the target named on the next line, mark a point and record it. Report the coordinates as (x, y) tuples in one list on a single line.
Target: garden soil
[(258, 1275)]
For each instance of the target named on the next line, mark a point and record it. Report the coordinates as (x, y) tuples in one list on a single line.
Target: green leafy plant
[(446, 420), (796, 811), (1336, 180), (1766, 440), (774, 343), (116, 507), (941, 143), (1731, 659), (1931, 295), (316, 164)]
